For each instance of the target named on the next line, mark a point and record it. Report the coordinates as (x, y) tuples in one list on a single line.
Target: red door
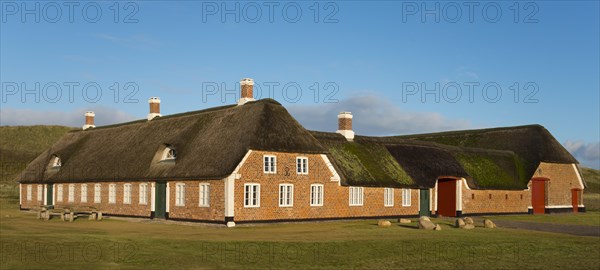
[(446, 197), (538, 196), (575, 199)]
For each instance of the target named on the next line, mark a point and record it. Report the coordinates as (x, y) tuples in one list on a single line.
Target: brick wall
[(117, 208), (563, 177), (34, 202), (335, 198), (494, 201), (192, 208)]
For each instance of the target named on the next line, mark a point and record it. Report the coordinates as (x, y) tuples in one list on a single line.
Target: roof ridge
[(206, 110)]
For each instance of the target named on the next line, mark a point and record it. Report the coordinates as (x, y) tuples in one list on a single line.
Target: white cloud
[(588, 154), (373, 116), (22, 117)]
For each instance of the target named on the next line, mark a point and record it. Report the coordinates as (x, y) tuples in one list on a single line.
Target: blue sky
[(364, 57)]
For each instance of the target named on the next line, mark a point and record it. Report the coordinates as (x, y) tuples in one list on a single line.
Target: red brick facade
[(335, 196), (192, 209), (335, 199)]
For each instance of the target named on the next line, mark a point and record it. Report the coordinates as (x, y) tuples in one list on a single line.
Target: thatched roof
[(210, 143), (498, 158)]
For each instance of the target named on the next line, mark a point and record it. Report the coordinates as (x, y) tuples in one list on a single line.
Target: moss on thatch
[(363, 163), (531, 145)]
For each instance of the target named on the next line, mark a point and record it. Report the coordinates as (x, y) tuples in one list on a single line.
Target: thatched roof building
[(210, 143)]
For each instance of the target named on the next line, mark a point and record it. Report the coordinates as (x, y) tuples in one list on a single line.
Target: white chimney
[(246, 85), (89, 120), (154, 107), (345, 125)]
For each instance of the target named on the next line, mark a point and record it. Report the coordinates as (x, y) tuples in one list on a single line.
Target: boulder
[(469, 220), (468, 226), (459, 223), (99, 216), (488, 224), (404, 220), (437, 227), (426, 224), (384, 223), (424, 218)]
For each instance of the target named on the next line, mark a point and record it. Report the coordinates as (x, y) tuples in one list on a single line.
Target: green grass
[(588, 218), (31, 243)]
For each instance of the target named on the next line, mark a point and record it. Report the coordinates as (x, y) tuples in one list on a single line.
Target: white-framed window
[(355, 196), (59, 193), (40, 189), (270, 164), (169, 154), (71, 197), (29, 190), (180, 194), (388, 197), (112, 193), (286, 195), (143, 193), (97, 193), (316, 195), (204, 195), (127, 193), (302, 165), (84, 193), (405, 197), (251, 195), (56, 162)]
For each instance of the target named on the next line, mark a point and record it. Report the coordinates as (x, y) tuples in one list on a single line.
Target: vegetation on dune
[(19, 145), (591, 195)]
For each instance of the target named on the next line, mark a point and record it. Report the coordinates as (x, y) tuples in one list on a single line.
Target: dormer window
[(56, 162), (169, 154)]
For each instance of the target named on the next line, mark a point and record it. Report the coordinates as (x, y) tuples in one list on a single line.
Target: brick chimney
[(154, 107), (345, 125), (89, 120), (246, 85)]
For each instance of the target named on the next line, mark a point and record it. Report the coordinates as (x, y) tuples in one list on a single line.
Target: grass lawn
[(588, 218), (30, 243)]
